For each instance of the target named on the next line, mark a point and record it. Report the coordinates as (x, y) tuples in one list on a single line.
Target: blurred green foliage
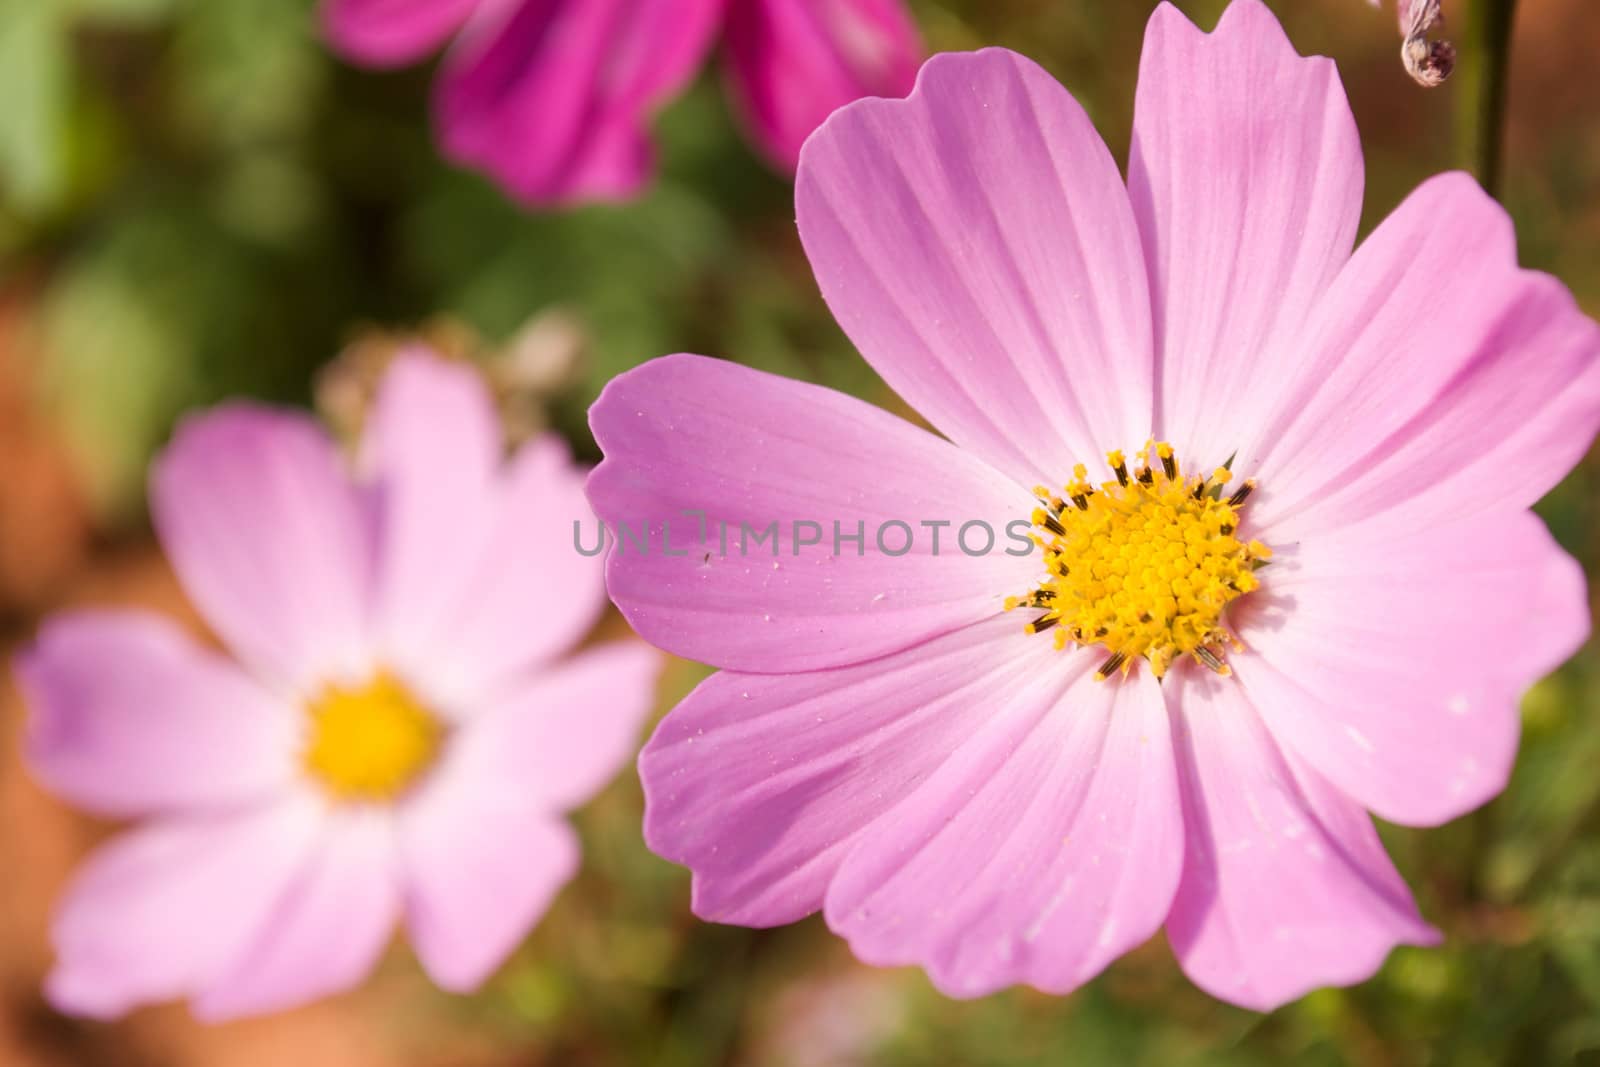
[(197, 201)]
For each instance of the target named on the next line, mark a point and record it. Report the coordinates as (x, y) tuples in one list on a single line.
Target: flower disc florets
[(1144, 564), (370, 742)]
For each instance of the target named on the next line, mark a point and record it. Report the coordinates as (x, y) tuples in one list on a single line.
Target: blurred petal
[(976, 242), (1049, 845), (1246, 175), (1286, 887), (565, 731), (384, 33), (483, 848), (687, 434), (482, 864), (532, 595), (432, 448), (762, 784), (327, 931), (1395, 661), (130, 717), (160, 912), (793, 62), (1440, 380), (269, 537), (552, 97)]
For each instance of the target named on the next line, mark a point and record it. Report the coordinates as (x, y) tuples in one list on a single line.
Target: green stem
[(1483, 58)]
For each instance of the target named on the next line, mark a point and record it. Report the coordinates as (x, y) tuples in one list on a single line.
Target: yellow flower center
[(369, 743), (1145, 564)]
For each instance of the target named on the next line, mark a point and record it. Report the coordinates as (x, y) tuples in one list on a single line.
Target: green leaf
[(120, 12), (35, 73)]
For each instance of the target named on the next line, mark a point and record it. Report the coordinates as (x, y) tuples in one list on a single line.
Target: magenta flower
[(397, 738), (1197, 739), (552, 98)]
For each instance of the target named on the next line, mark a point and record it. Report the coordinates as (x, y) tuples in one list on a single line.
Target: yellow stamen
[(1144, 565), (370, 743)]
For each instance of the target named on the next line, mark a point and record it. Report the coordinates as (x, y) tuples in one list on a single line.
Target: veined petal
[(792, 63), (552, 97), (162, 911), (1393, 663), (327, 930), (1285, 886), (1246, 176), (976, 242), (383, 33), (747, 450), (269, 536), (762, 784), (1046, 847), (130, 717), (1440, 380)]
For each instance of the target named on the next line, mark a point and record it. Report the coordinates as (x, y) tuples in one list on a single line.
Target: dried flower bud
[(543, 360), (1428, 62)]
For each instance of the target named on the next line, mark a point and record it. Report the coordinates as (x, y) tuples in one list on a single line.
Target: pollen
[(370, 743), (1145, 564)]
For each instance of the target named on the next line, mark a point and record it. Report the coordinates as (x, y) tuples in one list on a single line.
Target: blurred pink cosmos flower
[(552, 98), (1197, 738), (396, 739)]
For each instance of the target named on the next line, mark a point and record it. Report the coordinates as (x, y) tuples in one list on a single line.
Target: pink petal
[(270, 540), (327, 931), (553, 97), (532, 595), (977, 244), (130, 717), (385, 33), (161, 912), (561, 734), (432, 447), (761, 784), (484, 854), (1396, 661), (1048, 846), (689, 433), (482, 864), (1245, 173), (1286, 886), (793, 62), (1439, 378)]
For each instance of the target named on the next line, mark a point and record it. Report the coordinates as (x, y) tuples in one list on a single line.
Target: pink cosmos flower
[(1197, 738), (396, 739), (553, 98)]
